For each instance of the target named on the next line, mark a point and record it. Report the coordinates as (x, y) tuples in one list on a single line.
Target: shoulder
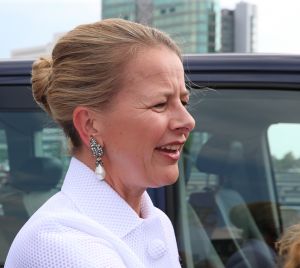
[(167, 226), (55, 243), (165, 220)]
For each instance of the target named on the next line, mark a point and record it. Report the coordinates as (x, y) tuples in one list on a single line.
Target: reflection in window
[(229, 213), (33, 160), (284, 145), (4, 163)]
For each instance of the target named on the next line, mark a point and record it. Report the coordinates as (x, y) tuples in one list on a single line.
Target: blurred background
[(29, 28)]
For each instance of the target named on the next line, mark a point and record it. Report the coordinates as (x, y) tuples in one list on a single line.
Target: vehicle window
[(4, 165), (286, 165), (234, 194), (33, 160)]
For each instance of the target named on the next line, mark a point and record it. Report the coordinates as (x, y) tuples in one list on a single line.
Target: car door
[(239, 173)]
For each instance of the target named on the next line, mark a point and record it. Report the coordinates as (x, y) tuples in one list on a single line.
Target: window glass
[(4, 165), (33, 157), (232, 207), (285, 150)]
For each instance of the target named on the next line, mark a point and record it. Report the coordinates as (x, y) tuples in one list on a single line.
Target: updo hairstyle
[(87, 67)]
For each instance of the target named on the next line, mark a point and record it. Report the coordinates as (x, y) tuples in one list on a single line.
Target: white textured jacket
[(87, 224)]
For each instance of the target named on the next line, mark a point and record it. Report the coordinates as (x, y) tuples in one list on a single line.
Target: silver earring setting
[(98, 152)]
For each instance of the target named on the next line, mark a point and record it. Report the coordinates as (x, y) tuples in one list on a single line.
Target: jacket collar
[(97, 200)]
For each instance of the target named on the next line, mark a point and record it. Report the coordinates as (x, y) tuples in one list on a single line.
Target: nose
[(182, 121)]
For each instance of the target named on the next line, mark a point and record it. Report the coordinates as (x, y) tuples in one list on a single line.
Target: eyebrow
[(168, 93)]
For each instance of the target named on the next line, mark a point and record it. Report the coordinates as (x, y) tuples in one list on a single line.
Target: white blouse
[(87, 224)]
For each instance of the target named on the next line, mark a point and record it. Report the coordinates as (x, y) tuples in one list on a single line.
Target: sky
[(278, 24), (26, 23), (280, 146)]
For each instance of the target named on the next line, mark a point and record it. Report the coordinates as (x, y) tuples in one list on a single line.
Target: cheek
[(135, 137), (142, 131)]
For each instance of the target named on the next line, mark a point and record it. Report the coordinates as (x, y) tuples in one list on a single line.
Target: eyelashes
[(162, 105)]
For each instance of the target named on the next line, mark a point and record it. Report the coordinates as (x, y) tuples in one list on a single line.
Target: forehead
[(158, 65)]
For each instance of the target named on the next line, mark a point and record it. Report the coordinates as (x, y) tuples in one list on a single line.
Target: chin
[(165, 179), (170, 182)]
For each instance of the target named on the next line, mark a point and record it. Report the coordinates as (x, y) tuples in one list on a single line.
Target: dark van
[(239, 184)]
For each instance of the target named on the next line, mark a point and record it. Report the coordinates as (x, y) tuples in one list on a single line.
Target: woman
[(117, 89)]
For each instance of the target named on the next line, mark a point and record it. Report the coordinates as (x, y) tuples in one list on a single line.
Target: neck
[(131, 196)]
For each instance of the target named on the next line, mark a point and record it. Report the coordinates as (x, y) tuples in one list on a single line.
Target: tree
[(286, 163)]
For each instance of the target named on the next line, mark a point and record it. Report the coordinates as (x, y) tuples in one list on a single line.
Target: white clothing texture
[(87, 224)]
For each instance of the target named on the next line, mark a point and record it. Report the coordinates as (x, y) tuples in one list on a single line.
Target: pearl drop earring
[(98, 152)]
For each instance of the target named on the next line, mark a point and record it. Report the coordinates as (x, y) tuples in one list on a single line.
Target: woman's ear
[(84, 121)]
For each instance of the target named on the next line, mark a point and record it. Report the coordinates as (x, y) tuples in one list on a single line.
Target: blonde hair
[(289, 247), (87, 67)]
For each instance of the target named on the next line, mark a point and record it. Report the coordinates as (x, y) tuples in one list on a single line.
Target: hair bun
[(41, 75)]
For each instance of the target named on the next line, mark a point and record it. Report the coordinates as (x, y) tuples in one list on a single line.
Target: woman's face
[(147, 124)]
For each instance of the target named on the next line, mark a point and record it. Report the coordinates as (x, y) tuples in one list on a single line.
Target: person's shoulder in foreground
[(117, 89)]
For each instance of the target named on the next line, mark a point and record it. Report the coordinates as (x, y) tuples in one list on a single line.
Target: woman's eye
[(185, 103), (160, 105)]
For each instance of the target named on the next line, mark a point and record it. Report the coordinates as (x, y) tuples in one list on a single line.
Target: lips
[(171, 150)]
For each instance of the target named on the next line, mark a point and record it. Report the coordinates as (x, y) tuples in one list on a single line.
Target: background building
[(245, 17), (195, 25), (227, 30), (239, 28), (198, 26)]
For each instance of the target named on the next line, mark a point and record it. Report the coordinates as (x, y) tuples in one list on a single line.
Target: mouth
[(171, 150)]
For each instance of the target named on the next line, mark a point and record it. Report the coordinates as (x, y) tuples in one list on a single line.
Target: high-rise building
[(194, 25), (239, 28), (245, 17), (227, 30)]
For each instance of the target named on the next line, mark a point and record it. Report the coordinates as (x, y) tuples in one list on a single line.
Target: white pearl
[(100, 173)]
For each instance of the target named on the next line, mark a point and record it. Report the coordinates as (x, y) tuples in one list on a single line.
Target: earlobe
[(84, 121)]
